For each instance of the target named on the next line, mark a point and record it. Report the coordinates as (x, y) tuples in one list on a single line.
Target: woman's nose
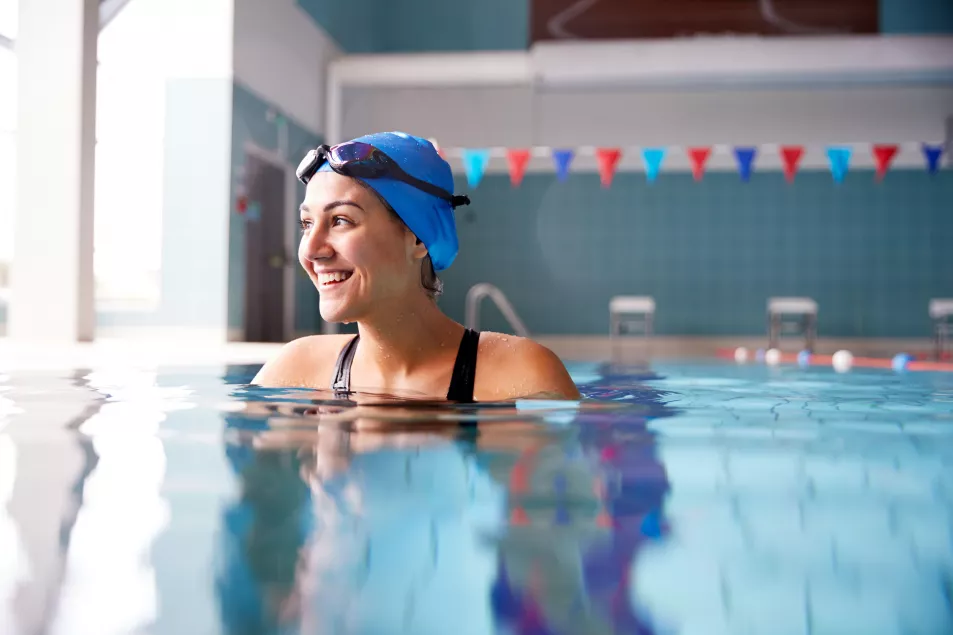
[(316, 244)]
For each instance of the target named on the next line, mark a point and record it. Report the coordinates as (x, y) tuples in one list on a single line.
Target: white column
[(52, 272)]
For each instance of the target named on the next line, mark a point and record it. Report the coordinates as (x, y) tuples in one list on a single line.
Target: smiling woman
[(376, 225)]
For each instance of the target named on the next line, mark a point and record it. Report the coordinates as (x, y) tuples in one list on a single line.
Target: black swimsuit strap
[(461, 382), (342, 369), (464, 370)]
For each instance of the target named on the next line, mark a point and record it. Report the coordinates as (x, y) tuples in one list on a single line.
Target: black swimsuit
[(461, 383)]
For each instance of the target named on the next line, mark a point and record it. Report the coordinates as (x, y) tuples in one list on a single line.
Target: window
[(9, 10), (8, 149), (129, 161), (128, 193)]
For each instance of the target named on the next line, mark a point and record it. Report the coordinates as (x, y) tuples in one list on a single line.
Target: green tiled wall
[(389, 26), (916, 16), (711, 253)]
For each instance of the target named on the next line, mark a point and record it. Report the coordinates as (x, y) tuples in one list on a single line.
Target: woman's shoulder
[(510, 367), (307, 362)]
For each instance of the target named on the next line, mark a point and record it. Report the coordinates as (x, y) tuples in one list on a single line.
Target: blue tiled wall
[(711, 253), (250, 124)]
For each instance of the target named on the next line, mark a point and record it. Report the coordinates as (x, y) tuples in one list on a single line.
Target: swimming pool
[(703, 497)]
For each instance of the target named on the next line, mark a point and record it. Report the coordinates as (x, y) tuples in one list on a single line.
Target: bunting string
[(838, 158)]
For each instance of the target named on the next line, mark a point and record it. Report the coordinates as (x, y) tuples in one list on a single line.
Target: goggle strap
[(322, 154)]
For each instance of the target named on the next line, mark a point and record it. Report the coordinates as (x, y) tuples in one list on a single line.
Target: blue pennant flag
[(839, 158), (562, 159), (653, 158), (745, 158), (474, 163), (932, 154)]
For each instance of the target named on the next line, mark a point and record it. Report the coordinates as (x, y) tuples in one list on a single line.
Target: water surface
[(677, 498)]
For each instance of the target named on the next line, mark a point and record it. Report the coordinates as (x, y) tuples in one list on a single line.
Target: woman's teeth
[(334, 276)]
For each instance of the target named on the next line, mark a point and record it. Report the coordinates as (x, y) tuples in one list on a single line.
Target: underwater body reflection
[(387, 516)]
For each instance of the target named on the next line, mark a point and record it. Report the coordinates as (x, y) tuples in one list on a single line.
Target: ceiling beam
[(108, 9)]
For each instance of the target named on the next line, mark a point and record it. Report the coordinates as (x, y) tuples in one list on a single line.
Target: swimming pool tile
[(764, 471), (707, 523), (754, 403), (796, 433), (899, 405), (858, 406), (834, 474), (764, 603), (929, 428), (898, 483), (927, 528), (771, 520), (692, 469), (749, 431), (679, 427), (681, 586), (835, 609), (868, 427), (874, 554)]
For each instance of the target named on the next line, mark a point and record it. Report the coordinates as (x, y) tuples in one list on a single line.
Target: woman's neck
[(398, 340)]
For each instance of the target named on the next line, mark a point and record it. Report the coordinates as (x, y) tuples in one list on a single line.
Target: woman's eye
[(305, 225), (340, 220)]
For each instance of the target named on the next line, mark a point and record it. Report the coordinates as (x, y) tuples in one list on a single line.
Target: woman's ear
[(418, 250)]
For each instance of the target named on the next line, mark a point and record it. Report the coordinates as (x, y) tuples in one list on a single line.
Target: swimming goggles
[(363, 161)]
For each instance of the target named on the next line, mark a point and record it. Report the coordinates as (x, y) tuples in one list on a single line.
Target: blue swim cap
[(428, 217)]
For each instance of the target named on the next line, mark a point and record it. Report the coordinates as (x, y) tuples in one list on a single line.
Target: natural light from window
[(129, 156), (8, 116), (8, 18)]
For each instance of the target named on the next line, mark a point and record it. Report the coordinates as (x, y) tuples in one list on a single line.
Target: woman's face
[(358, 254)]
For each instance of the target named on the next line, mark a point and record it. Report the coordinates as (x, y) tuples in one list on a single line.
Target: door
[(265, 251)]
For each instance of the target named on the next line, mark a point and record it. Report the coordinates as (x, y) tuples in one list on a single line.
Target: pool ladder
[(486, 290)]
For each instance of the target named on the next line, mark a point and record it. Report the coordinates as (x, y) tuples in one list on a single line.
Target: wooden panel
[(627, 19)]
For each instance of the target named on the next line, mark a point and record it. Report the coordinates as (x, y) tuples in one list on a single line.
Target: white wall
[(673, 93), (481, 117), (282, 55)]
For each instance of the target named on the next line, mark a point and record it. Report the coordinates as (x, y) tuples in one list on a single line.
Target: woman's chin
[(335, 313)]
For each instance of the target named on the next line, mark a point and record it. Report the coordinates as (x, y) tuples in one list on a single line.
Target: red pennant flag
[(608, 158), (517, 160), (698, 157), (436, 146), (791, 156), (883, 156)]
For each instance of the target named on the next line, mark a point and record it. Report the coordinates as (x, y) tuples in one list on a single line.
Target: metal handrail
[(486, 290)]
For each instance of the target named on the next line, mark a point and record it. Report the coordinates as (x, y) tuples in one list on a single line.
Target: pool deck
[(176, 348)]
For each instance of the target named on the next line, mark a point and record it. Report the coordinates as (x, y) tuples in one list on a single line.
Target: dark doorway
[(265, 251)]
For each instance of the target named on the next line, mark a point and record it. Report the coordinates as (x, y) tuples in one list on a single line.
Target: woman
[(377, 223)]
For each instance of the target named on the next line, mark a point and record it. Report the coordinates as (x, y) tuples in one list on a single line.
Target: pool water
[(677, 498)]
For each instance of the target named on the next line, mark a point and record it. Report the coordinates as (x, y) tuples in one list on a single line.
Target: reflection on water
[(711, 499), (479, 520)]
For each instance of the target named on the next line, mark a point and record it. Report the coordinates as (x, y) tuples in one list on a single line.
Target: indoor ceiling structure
[(108, 9)]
